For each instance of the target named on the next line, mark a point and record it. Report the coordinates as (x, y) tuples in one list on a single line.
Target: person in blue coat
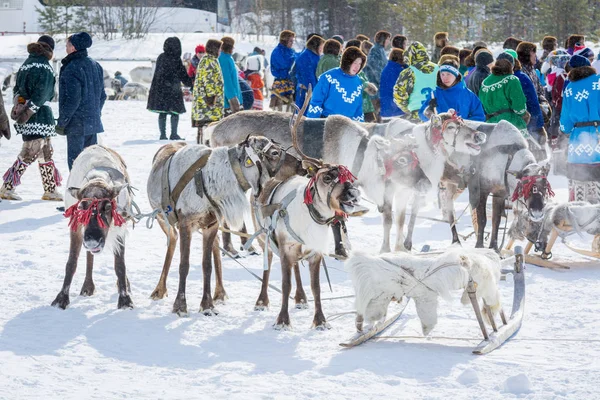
[(580, 117), (282, 60), (339, 90), (231, 85), (451, 92), (389, 76), (306, 67), (81, 97)]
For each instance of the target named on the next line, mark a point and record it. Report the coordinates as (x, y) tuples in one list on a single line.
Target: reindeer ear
[(73, 191), (310, 167)]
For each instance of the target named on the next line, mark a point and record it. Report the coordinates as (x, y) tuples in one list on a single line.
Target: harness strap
[(201, 191), (167, 203), (237, 169), (360, 156)]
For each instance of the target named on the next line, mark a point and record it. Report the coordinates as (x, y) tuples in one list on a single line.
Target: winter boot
[(162, 126), (12, 179), (340, 248), (50, 180), (174, 124)]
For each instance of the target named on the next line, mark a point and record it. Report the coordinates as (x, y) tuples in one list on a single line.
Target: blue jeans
[(76, 144)]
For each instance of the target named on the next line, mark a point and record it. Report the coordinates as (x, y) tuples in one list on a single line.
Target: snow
[(92, 350)]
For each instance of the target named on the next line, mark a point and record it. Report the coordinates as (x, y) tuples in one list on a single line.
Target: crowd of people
[(550, 99)]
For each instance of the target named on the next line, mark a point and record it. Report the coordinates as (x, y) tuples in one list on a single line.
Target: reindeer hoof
[(232, 252), (180, 307), (209, 312), (261, 305), (159, 293), (88, 289), (61, 301), (219, 298), (252, 251), (283, 323), (282, 327), (408, 245), (322, 326), (301, 305), (125, 302)]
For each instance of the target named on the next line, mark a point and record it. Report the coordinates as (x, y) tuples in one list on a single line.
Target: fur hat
[(382, 36), (213, 46), (549, 43), (332, 46), (480, 43), (81, 40), (440, 36), (351, 54), (581, 72), (470, 61), (449, 59), (397, 56), (362, 37), (286, 35), (227, 46), (502, 66), (464, 53), (484, 57), (314, 43), (40, 49), (511, 43), (366, 47), (524, 50), (573, 40), (399, 41), (48, 40), (353, 43), (455, 51), (579, 61)]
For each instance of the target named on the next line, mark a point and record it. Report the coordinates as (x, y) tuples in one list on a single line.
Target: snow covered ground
[(93, 350)]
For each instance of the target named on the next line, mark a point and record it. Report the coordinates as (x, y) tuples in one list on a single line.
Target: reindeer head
[(448, 132), (263, 159), (95, 210), (331, 186), (532, 189)]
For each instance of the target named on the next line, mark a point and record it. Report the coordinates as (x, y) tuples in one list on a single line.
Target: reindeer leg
[(227, 243), (387, 219), (209, 235), (300, 297), (122, 281), (220, 294), (185, 236), (401, 203), (451, 194), (414, 211), (497, 210), (88, 287), (481, 218), (262, 303), (161, 287), (62, 299), (283, 319), (319, 321)]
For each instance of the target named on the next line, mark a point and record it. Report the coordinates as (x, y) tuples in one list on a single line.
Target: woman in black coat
[(165, 95)]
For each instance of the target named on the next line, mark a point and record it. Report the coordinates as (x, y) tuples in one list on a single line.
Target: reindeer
[(202, 187), (306, 206), (96, 205)]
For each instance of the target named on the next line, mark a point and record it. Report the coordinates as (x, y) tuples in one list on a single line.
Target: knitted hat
[(349, 56), (585, 52), (512, 53), (227, 46), (213, 46), (484, 57), (332, 46), (286, 35), (455, 51), (81, 40), (579, 61), (48, 40), (450, 69), (200, 49), (506, 56)]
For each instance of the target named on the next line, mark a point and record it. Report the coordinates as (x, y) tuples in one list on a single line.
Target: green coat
[(367, 103), (504, 92), (327, 62), (35, 82)]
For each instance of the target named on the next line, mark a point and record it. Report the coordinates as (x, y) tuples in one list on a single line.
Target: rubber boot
[(162, 126), (12, 179), (50, 180), (174, 125)]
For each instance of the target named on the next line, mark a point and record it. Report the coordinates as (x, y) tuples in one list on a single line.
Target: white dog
[(377, 279)]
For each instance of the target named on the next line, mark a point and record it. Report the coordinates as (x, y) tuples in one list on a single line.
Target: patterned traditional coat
[(504, 93), (337, 93), (208, 83), (35, 82)]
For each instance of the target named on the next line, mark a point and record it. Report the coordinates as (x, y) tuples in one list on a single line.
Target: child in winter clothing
[(35, 88), (389, 76), (580, 118), (200, 52), (256, 83), (451, 92), (339, 91), (208, 89)]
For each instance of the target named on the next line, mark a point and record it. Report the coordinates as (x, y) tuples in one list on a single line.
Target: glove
[(24, 116), (60, 130), (210, 100), (433, 103), (234, 103)]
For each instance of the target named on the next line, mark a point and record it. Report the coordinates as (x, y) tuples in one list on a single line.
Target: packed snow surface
[(92, 350)]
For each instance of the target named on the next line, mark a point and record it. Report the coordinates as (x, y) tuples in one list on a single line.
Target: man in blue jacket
[(81, 97)]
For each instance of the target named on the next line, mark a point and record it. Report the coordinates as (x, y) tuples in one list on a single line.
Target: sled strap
[(586, 123), (360, 156)]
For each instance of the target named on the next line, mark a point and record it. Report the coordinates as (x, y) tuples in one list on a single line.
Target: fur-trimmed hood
[(511, 43), (453, 50), (502, 67), (381, 36), (332, 46), (351, 54), (579, 73), (549, 43), (314, 43), (40, 49), (213, 46), (440, 39), (449, 59), (227, 45), (524, 50), (574, 39), (284, 36)]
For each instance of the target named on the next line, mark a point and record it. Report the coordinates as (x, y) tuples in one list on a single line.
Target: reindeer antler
[(295, 122)]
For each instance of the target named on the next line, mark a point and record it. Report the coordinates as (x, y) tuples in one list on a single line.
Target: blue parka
[(536, 122), (306, 73), (282, 59), (231, 85), (337, 93), (389, 76), (458, 97)]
